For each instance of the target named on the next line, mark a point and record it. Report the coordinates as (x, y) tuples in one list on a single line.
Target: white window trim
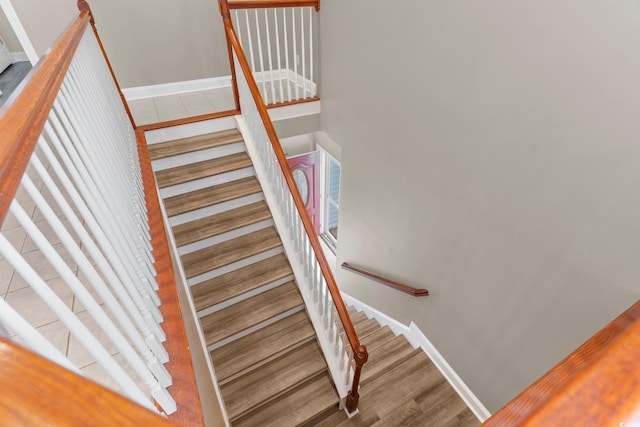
[(331, 242)]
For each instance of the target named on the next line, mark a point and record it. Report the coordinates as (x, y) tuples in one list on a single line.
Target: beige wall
[(490, 152), (148, 41), (153, 42), (44, 20), (8, 35)]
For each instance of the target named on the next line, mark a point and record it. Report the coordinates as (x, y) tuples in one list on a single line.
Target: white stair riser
[(198, 156), (254, 328), (190, 129), (209, 181), (223, 237), (215, 209), (234, 266)]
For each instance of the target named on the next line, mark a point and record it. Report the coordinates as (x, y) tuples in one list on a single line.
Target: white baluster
[(304, 50), (70, 320), (311, 41), (32, 338), (275, 20), (85, 298), (99, 285), (268, 30), (295, 51), (100, 209), (286, 53), (262, 73)]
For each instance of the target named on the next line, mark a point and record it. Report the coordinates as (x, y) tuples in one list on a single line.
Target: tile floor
[(172, 107), (15, 290)]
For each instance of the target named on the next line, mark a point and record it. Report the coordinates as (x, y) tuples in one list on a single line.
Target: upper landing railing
[(84, 247), (279, 41), (317, 284)]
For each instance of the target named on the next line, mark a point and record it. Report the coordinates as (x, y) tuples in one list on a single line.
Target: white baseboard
[(418, 339), (294, 110), (175, 88), (19, 57)]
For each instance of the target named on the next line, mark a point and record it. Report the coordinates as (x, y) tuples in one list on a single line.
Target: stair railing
[(279, 40), (315, 279), (596, 385), (77, 181)]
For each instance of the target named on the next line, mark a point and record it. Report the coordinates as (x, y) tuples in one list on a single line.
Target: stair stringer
[(190, 310), (341, 372)]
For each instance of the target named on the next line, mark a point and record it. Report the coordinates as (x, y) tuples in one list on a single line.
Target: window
[(330, 199)]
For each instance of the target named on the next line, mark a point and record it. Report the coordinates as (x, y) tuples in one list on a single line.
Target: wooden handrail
[(359, 351), (256, 4), (596, 385), (21, 124), (385, 281), (22, 119), (39, 393)]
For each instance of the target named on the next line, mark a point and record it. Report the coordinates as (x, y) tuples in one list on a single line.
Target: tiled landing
[(173, 107)]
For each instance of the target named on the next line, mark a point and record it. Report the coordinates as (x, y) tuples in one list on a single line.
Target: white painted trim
[(289, 75), (19, 30), (418, 339), (19, 57), (294, 110), (176, 88), (191, 309), (190, 129)]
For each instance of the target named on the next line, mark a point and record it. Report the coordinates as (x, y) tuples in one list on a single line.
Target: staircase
[(268, 364)]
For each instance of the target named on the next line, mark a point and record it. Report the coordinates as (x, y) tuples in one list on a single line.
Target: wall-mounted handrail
[(385, 281), (360, 353)]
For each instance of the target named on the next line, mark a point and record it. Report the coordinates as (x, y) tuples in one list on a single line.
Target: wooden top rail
[(391, 283), (38, 393), (359, 351), (23, 117), (596, 385), (255, 4)]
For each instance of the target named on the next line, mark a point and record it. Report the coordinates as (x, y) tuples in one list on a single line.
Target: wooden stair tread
[(365, 328), (213, 225), (194, 143), (386, 357), (249, 350), (216, 256), (191, 172), (210, 196), (250, 312), (272, 380), (298, 407), (357, 317), (221, 288), (382, 395), (377, 338)]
